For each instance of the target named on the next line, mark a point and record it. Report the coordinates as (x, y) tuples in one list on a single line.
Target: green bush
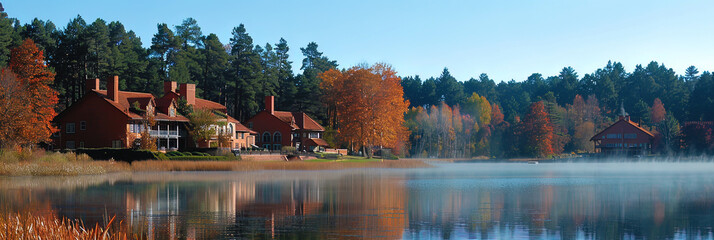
[(160, 156), (199, 154), (174, 154), (187, 154), (118, 154), (328, 156)]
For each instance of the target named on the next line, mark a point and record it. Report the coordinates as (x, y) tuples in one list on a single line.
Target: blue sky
[(505, 39)]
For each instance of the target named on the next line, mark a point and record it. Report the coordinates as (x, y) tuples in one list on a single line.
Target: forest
[(446, 117)]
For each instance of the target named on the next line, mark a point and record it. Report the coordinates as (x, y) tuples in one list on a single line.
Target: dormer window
[(172, 112)]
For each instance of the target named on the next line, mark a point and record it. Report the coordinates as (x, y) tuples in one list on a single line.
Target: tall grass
[(42, 163), (28, 226)]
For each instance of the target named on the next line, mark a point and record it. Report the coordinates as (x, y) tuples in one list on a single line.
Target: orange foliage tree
[(26, 100), (369, 105), (537, 131), (657, 111)]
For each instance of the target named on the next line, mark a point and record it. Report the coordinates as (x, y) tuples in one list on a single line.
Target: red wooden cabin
[(623, 137)]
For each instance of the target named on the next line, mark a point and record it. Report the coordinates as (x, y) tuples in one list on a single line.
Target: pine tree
[(245, 67), (163, 45), (287, 89), (214, 69)]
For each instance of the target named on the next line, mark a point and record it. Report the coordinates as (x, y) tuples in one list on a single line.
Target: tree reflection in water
[(499, 200)]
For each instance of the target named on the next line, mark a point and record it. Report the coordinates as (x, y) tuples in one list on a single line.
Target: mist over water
[(564, 200)]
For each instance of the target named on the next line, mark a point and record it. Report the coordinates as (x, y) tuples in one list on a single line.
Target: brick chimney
[(113, 88), (169, 87), (92, 84), (270, 104), (188, 92)]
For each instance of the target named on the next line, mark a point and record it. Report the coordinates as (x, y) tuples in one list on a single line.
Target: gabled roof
[(316, 142), (298, 120), (206, 104), (126, 99), (623, 121), (240, 127)]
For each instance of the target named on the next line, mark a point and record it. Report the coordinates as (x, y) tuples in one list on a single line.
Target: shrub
[(118, 154), (186, 153), (199, 154), (174, 154), (289, 149), (160, 156)]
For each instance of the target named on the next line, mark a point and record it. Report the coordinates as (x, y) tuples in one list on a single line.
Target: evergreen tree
[(128, 60), (565, 86), (214, 69), (7, 38), (286, 83), (450, 90), (163, 45), (98, 52), (189, 33), (245, 67), (308, 84), (412, 87), (71, 68), (270, 77), (43, 34)]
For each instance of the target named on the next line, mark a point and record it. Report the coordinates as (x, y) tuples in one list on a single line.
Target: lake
[(451, 201)]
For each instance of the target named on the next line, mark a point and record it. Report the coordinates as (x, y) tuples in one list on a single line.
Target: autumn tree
[(537, 131), (202, 125), (370, 107), (26, 100), (657, 111)]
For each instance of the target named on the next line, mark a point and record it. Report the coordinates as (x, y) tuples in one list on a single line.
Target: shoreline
[(107, 167)]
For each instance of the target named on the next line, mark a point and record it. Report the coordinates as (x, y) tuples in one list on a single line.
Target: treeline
[(237, 74), (445, 123), (449, 117)]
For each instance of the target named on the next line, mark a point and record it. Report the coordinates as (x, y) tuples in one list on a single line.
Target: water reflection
[(485, 201)]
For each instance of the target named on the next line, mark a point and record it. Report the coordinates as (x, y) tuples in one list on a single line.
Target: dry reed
[(28, 226)]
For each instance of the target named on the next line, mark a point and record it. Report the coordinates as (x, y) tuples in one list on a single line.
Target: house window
[(266, 146), (250, 125), (116, 144), (172, 112), (70, 128), (82, 125), (314, 135), (266, 137), (230, 130), (277, 137), (630, 135), (81, 144), (277, 147), (614, 136), (69, 144)]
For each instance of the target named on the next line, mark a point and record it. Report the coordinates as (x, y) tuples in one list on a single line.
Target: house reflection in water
[(298, 208)]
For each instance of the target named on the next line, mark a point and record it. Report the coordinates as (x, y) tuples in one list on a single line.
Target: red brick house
[(623, 137), (278, 128), (113, 118), (241, 136)]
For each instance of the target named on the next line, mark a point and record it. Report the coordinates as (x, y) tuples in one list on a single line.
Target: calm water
[(456, 201)]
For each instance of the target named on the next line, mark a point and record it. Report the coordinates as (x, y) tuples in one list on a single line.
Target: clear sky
[(505, 39)]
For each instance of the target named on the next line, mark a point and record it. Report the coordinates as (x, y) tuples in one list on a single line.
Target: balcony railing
[(165, 133)]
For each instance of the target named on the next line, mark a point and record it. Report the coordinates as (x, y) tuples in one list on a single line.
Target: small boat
[(532, 162)]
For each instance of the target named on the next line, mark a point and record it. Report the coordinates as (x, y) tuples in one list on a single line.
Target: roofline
[(627, 121)]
